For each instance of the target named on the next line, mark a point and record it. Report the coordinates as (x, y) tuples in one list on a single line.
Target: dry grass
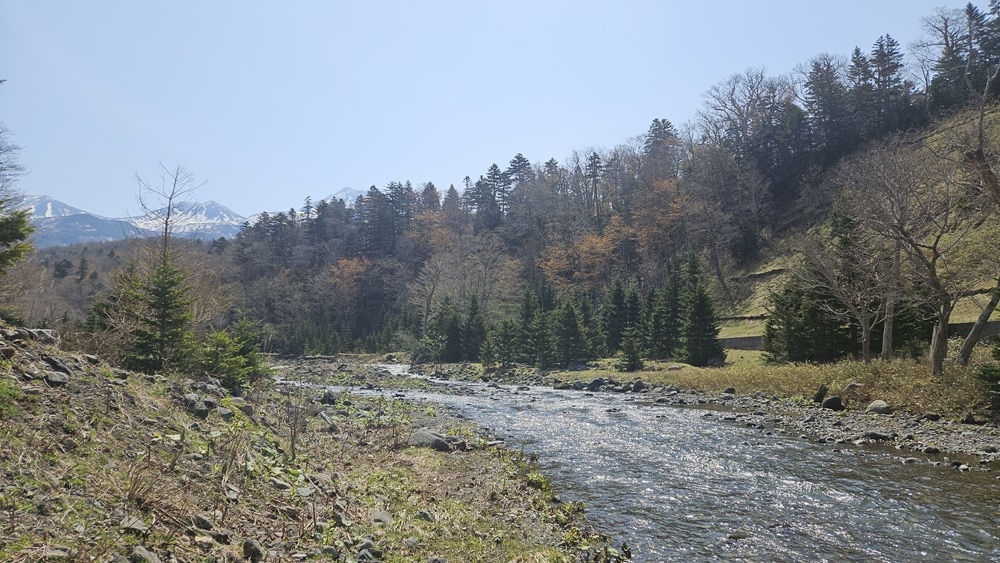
[(78, 461), (906, 384)]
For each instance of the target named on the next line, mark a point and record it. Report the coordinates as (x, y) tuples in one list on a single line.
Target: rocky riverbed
[(926, 437)]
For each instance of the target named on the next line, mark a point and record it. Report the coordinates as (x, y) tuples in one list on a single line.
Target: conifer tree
[(505, 343), (568, 339), (473, 332), (162, 332), (700, 344), (629, 358)]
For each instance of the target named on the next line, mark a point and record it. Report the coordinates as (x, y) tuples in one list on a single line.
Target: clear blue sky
[(272, 101)]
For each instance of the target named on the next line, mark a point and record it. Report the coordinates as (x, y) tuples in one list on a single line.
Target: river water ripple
[(679, 484)]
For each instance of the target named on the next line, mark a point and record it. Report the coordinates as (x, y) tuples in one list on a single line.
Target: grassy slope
[(80, 460)]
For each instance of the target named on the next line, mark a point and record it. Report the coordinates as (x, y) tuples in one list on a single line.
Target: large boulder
[(596, 384)]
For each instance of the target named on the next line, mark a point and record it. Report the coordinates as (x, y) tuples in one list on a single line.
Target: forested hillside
[(879, 174)]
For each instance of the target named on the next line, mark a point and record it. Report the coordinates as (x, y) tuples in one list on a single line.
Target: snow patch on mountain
[(202, 220)]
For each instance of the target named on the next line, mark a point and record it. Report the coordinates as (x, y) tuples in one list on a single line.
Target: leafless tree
[(160, 199), (900, 192)]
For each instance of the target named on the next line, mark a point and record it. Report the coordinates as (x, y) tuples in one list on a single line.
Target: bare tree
[(160, 199), (900, 192), (857, 273)]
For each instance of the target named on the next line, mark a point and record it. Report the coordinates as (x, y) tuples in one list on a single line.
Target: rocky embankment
[(101, 464)]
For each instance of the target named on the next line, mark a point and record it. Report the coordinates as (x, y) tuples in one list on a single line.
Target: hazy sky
[(269, 102)]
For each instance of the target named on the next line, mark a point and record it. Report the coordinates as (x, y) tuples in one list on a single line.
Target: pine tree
[(700, 344), (505, 343), (665, 319), (799, 330), (473, 332), (568, 340), (162, 331), (629, 358)]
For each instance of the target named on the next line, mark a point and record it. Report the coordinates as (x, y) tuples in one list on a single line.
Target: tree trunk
[(866, 343), (977, 329), (888, 326), (890, 308), (939, 347)]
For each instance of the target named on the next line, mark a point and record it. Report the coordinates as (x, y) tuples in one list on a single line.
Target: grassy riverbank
[(100, 462)]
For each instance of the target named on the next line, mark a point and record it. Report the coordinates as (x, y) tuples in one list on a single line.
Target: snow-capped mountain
[(58, 224), (41, 206), (209, 220), (346, 194)]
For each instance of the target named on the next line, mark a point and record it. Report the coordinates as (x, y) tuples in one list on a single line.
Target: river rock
[(253, 551), (142, 555), (820, 393), (596, 384), (639, 386), (833, 403), (879, 407), (201, 522), (57, 364), (56, 379), (428, 439)]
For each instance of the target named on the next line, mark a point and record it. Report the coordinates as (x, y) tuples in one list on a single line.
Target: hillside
[(99, 464)]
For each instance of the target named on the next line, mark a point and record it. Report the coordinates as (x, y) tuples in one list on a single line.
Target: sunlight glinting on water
[(675, 485)]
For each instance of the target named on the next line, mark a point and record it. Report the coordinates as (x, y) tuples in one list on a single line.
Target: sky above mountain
[(270, 102)]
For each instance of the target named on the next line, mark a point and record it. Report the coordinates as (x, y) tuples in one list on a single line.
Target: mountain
[(43, 206), (207, 221), (346, 194), (58, 224)]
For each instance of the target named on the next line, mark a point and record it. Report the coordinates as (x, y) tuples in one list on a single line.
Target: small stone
[(932, 416), (425, 516), (729, 391), (142, 555), (931, 450), (411, 542), (130, 524), (304, 491), (57, 364), (202, 522), (56, 552), (225, 414), (877, 436), (879, 407), (56, 379), (382, 517), (833, 403), (428, 439), (252, 550), (279, 484), (911, 460)]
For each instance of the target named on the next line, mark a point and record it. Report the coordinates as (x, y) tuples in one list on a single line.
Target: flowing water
[(678, 484)]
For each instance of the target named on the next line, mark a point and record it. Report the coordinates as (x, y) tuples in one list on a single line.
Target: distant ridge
[(59, 224)]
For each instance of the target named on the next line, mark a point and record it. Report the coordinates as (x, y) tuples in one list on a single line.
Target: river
[(679, 484)]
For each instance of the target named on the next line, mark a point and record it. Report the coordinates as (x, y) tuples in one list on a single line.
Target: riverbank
[(963, 437), (103, 464)]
